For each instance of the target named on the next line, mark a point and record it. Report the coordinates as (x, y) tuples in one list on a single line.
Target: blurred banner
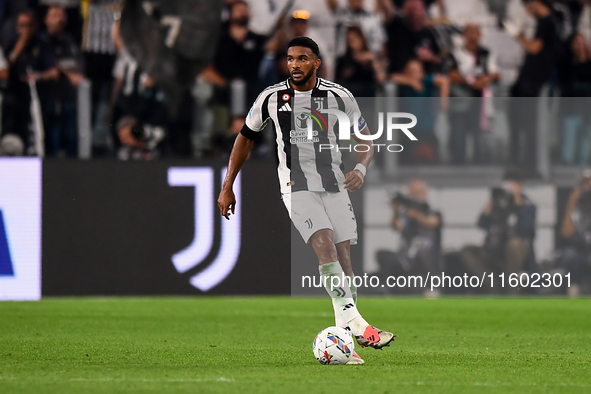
[(172, 40), (114, 228), (20, 229)]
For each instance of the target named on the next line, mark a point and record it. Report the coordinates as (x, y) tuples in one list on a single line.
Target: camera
[(501, 197), (151, 135), (410, 203)]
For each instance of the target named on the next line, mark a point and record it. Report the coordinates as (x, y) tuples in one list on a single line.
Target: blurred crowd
[(508, 220), (53, 52)]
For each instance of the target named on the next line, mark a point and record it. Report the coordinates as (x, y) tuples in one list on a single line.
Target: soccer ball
[(333, 346)]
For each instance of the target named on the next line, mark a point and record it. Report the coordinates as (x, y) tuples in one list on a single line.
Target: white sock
[(338, 317), (340, 292)]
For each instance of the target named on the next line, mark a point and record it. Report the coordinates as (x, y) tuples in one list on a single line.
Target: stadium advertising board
[(114, 228), (20, 229)]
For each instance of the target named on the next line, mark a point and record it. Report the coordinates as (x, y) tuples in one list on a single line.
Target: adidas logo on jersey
[(286, 107)]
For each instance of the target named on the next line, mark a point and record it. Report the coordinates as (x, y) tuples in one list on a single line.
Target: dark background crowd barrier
[(111, 228)]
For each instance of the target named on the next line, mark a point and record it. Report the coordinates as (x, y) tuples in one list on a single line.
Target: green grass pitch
[(263, 345)]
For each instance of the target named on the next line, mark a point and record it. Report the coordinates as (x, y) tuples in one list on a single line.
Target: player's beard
[(304, 80)]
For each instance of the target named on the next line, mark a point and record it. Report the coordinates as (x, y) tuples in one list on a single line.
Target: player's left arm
[(354, 179)]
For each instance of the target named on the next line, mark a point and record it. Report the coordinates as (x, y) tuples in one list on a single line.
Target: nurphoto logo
[(306, 121)]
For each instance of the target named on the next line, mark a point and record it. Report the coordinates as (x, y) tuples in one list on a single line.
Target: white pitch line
[(143, 380), (230, 380)]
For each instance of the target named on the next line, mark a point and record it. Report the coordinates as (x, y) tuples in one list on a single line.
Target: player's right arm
[(240, 152), (255, 122)]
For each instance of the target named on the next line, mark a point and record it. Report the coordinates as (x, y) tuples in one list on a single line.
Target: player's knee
[(324, 246)]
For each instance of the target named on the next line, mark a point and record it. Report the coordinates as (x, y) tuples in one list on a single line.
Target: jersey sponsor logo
[(301, 121), (202, 179), (316, 116)]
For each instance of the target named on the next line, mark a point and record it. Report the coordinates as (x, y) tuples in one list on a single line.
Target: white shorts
[(313, 211)]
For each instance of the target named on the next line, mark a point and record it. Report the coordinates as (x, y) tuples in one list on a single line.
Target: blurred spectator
[(473, 70), (274, 63), (224, 142), (541, 51), (139, 141), (60, 115), (416, 89), (369, 22), (100, 52), (31, 59), (576, 231), (498, 8), (136, 98), (73, 11), (509, 219), (238, 55), (10, 10), (399, 4), (538, 68), (4, 73), (358, 69), (564, 17), (11, 145), (583, 21), (414, 82), (203, 118), (409, 37), (576, 127), (420, 230), (264, 15)]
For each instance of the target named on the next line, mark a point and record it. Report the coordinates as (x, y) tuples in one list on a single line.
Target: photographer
[(420, 229), (509, 219), (576, 231), (139, 140)]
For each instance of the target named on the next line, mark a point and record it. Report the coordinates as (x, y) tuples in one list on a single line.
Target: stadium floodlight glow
[(202, 179)]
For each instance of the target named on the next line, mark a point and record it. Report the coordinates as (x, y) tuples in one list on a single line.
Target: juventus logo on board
[(202, 180)]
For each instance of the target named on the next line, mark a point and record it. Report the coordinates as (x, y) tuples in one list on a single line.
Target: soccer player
[(313, 186)]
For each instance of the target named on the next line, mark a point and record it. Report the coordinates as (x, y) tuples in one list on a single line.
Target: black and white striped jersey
[(303, 165)]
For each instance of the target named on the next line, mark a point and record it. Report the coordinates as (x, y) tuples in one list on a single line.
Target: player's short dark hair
[(305, 42)]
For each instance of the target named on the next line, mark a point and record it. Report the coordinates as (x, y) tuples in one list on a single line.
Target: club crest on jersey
[(286, 97), (319, 101)]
